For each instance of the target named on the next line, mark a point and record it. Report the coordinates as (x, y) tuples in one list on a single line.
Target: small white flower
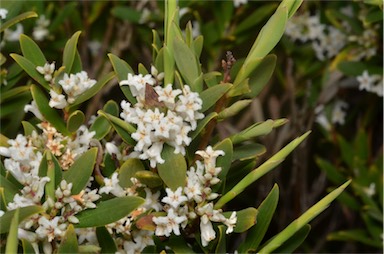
[(151, 200), (40, 31), (3, 13), (50, 228), (206, 229), (112, 186), (34, 109), (1, 213), (47, 70), (231, 223), (338, 112), (174, 198), (365, 81), (13, 35), (57, 100), (237, 3)]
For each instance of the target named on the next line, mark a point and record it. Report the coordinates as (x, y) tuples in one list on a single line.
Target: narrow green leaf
[(255, 130), (332, 173), (28, 128), (198, 44), (173, 171), (186, 62), (266, 210), (75, 120), (246, 218), (178, 245), (70, 52), (357, 235), (255, 18), (10, 189), (24, 212), (297, 224), (17, 19), (120, 67), (12, 93), (211, 95), (221, 246), (295, 241), (128, 170), (248, 151), (255, 174), (49, 113), (223, 161), (261, 75), (101, 125), (27, 247), (30, 69), (50, 186), (94, 89), (81, 170), (69, 243), (31, 51), (105, 240), (12, 240), (234, 109), (142, 70), (108, 211), (77, 65), (123, 128)]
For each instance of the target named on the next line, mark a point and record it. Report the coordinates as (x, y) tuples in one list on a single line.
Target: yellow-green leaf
[(24, 212), (70, 52), (211, 95), (75, 120), (17, 19), (128, 170), (69, 243), (31, 51), (148, 178), (12, 240)]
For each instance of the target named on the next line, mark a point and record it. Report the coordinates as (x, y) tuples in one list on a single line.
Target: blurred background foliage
[(317, 84)]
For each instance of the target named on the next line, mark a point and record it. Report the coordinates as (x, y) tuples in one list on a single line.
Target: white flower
[(231, 223), (338, 113), (34, 109), (167, 95), (57, 100), (111, 149), (153, 154), (137, 84), (165, 225), (13, 35), (50, 228), (162, 228), (112, 186), (206, 229), (40, 31), (237, 3), (365, 81), (371, 190), (151, 200), (3, 13), (86, 235), (76, 84), (47, 70), (174, 198), (1, 213), (210, 156)]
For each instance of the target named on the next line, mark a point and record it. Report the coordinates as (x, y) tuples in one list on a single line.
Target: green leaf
[(261, 75), (246, 218), (295, 241), (27, 247), (347, 151), (94, 89), (266, 210), (248, 151), (70, 52), (77, 65), (24, 212), (123, 128), (12, 240), (173, 171), (202, 124), (120, 67), (198, 44), (30, 69), (108, 211), (105, 240), (12, 93), (10, 189), (31, 51), (49, 113), (255, 174), (69, 242), (255, 130), (148, 178), (81, 170), (234, 109), (221, 246), (178, 245), (17, 19), (128, 170), (28, 128), (255, 18), (211, 95), (75, 120), (223, 161), (186, 62), (297, 224), (101, 125)]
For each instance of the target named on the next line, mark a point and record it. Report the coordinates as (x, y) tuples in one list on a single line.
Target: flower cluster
[(72, 84), (195, 201), (337, 114), (161, 114), (24, 157), (40, 31), (371, 83)]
